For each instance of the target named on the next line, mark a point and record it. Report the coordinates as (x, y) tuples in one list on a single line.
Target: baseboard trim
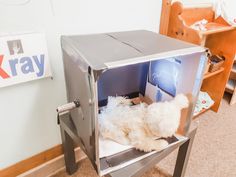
[(53, 166), (39, 163)]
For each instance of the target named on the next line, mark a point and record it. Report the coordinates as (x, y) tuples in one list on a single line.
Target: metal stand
[(69, 137), (68, 148)]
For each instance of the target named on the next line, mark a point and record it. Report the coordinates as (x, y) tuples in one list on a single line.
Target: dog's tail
[(181, 100), (149, 144)]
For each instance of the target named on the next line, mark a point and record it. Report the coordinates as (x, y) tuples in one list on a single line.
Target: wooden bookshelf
[(219, 38), (213, 28)]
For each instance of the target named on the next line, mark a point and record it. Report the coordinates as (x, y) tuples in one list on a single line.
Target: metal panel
[(149, 43), (81, 85), (100, 51)]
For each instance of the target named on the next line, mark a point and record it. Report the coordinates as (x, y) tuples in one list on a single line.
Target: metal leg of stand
[(69, 153), (183, 156)]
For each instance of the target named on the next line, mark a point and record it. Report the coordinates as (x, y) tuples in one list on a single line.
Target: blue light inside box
[(164, 74)]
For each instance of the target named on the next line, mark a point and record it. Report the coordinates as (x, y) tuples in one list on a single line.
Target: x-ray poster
[(23, 58), (163, 79), (170, 76)]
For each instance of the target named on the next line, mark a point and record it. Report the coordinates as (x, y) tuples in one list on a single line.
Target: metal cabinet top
[(109, 50)]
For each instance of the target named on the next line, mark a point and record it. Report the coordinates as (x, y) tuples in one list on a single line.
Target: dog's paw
[(140, 145), (149, 145), (162, 144)]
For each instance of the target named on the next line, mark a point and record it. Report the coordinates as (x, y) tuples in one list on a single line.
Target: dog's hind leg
[(141, 142), (114, 133), (120, 137)]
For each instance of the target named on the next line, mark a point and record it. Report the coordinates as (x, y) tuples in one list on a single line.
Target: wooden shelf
[(210, 74), (234, 68), (213, 28), (230, 86), (233, 72), (232, 75), (219, 38)]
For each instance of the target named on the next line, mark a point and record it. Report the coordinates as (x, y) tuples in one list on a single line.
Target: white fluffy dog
[(141, 124)]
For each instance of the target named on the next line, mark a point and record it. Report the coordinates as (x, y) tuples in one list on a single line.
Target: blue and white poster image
[(164, 75)]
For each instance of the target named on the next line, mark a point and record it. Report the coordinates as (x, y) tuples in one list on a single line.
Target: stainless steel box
[(100, 65)]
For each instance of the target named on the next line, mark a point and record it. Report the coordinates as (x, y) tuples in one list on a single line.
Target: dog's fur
[(139, 125)]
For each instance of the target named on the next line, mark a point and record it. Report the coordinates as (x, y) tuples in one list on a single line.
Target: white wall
[(27, 111), (196, 3)]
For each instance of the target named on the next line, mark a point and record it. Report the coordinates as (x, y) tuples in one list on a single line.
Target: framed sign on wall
[(23, 58)]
